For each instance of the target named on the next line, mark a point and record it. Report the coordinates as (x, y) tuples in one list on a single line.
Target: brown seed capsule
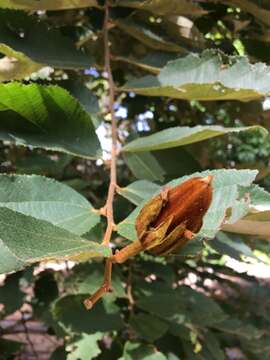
[(170, 219)]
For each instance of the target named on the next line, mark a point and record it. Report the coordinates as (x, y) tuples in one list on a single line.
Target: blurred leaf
[(25, 38), (230, 245), (59, 354), (86, 278), (236, 327), (176, 162), (259, 197), (9, 348), (46, 4), (213, 345), (85, 97), (10, 294), (257, 49), (193, 353), (163, 7), (95, 234), (183, 305), (45, 292), (253, 7), (192, 249), (148, 327), (258, 347), (160, 270), (152, 62), (139, 190), (86, 347), (56, 203), (225, 196), (42, 164), (238, 210), (252, 224), (144, 166), (205, 77), (15, 65), (259, 216), (136, 351), (179, 136), (47, 117), (26, 240), (46, 288), (72, 316), (144, 33)]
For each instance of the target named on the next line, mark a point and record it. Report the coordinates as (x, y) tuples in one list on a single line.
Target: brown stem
[(127, 252), (119, 257), (106, 287), (112, 186), (108, 208)]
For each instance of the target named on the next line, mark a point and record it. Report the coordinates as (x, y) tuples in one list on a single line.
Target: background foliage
[(192, 78)]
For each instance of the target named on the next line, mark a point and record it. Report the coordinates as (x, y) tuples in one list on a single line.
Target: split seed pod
[(169, 220)]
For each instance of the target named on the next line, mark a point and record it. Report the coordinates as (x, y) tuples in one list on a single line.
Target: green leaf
[(176, 162), (225, 195), (257, 220), (179, 136), (32, 42), (86, 347), (203, 77), (238, 210), (45, 292), (86, 278), (183, 305), (26, 240), (163, 7), (239, 328), (85, 97), (151, 63), (259, 198), (144, 166), (46, 4), (47, 117), (257, 225), (138, 191), (258, 347), (196, 351), (59, 354), (15, 65), (9, 348), (149, 327), (231, 246), (72, 316), (42, 164), (46, 288), (145, 34), (10, 294), (56, 202), (213, 345), (136, 350)]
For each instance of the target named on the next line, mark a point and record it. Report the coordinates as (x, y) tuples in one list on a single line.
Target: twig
[(28, 338), (108, 208), (105, 288), (129, 291), (112, 186)]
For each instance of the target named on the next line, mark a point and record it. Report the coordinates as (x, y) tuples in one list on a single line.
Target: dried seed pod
[(171, 218)]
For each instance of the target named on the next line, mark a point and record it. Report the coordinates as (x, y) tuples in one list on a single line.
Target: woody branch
[(108, 208)]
